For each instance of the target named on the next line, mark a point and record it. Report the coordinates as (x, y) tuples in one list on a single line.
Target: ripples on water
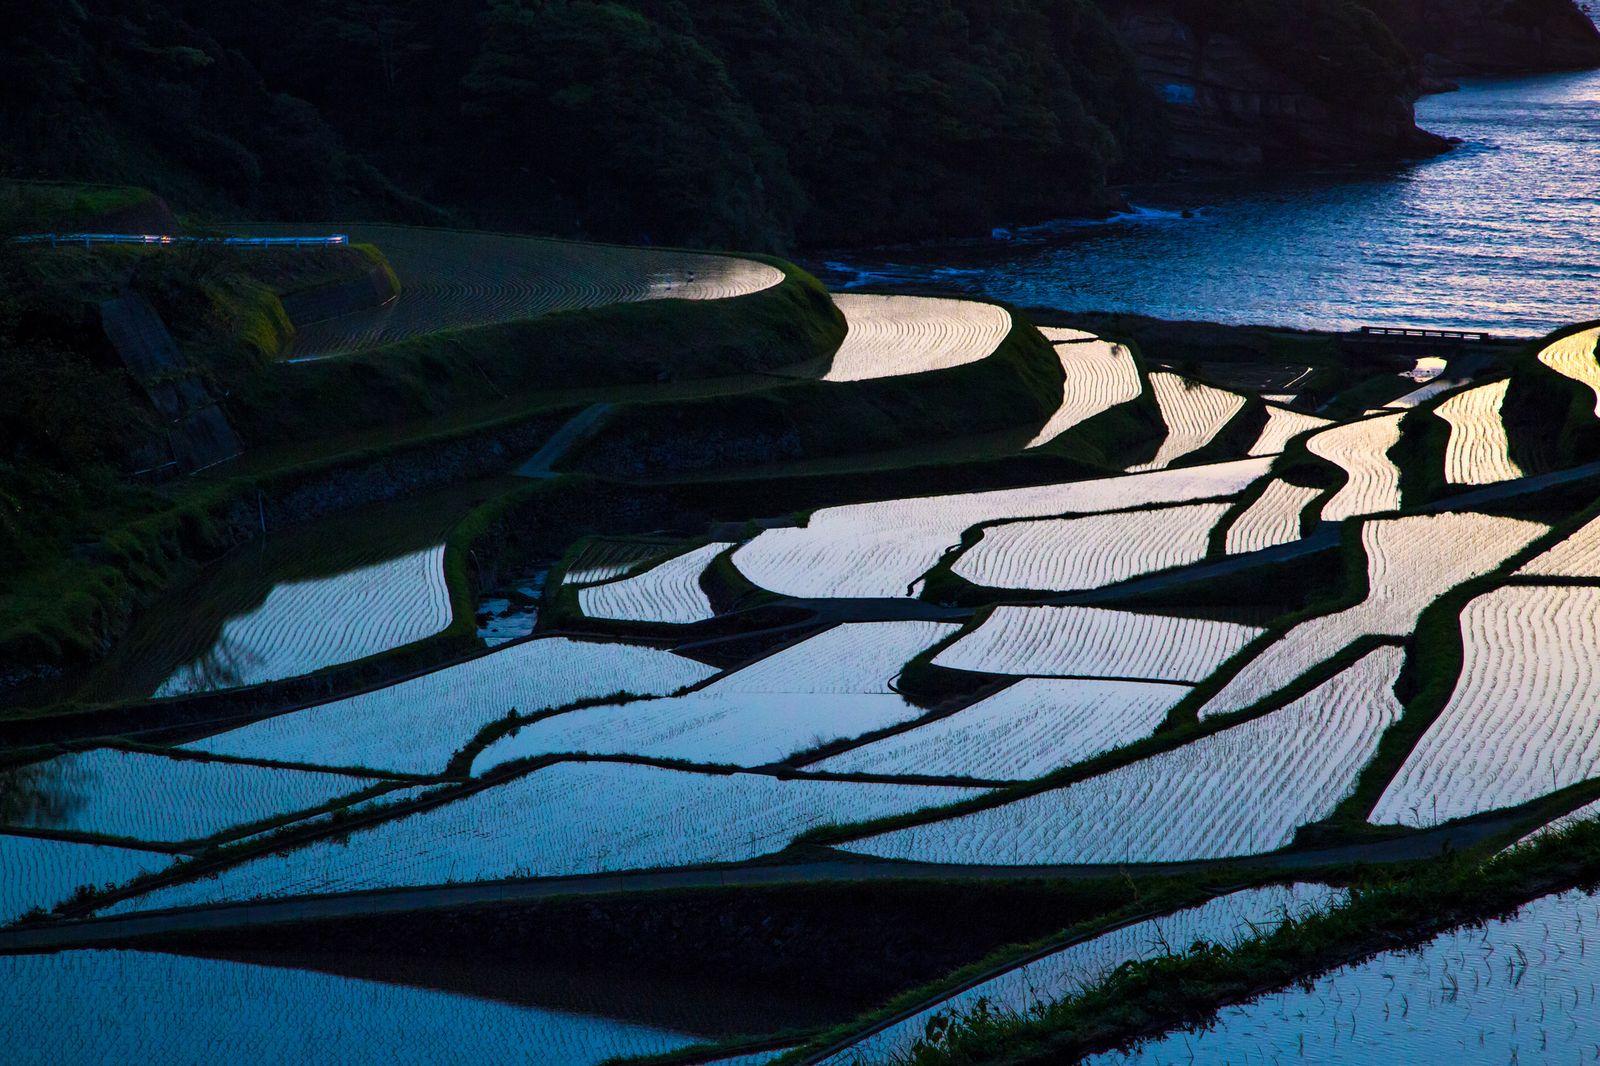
[(1500, 234)]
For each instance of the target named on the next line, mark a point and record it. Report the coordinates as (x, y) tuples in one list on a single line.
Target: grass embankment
[(1549, 417), (302, 420), (74, 207), (658, 341), (1188, 988), (1016, 388)]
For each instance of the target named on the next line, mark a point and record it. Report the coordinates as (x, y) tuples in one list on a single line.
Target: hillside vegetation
[(734, 123)]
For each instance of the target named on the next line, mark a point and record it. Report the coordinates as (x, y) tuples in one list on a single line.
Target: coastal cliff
[(1248, 85), (1237, 97), (1456, 38)]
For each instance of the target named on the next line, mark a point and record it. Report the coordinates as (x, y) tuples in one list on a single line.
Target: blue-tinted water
[(1501, 234)]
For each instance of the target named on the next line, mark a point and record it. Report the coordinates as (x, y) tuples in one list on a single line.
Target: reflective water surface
[(1498, 234)]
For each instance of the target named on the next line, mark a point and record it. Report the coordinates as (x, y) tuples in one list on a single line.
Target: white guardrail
[(87, 239)]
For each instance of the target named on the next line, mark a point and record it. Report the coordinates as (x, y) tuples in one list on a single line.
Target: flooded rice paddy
[(1518, 989)]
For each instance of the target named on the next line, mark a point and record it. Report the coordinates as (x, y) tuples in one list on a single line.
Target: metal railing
[(88, 239), (1404, 332)]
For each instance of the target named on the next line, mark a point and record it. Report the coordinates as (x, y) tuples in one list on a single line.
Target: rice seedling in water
[(1031, 728), (1576, 556), (1361, 449), (304, 626), (1520, 722), (571, 818), (1194, 414), (853, 657), (604, 558), (1418, 397), (173, 1008), (1479, 450), (1226, 920), (1283, 425), (1099, 376), (1065, 335), (1095, 642), (1518, 989), (1411, 561), (1274, 518), (416, 725), (836, 684), (1243, 791), (882, 548), (667, 592), (1586, 813), (1063, 554), (41, 873), (164, 800), (893, 335), (1574, 356), (728, 729)]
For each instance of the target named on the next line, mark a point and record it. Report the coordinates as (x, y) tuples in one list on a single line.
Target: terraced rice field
[(1361, 450), (1099, 376), (191, 1010), (457, 280), (1064, 554), (836, 684), (1576, 556), (1226, 921), (1588, 812), (728, 729), (603, 559), (158, 799), (1025, 731), (881, 549), (1574, 356), (894, 335), (1066, 335), (1194, 414), (1479, 450), (668, 592), (41, 873), (853, 657), (1418, 397), (1283, 425), (1274, 518), (1243, 791), (1511, 990), (305, 626), (416, 725), (572, 818), (1095, 642), (1411, 561), (1520, 722)]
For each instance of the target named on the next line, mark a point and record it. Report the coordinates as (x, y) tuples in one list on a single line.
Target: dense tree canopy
[(735, 122)]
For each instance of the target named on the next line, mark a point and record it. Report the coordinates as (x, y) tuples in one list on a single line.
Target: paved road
[(579, 426), (235, 916)]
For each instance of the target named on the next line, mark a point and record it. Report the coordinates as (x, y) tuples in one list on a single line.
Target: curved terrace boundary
[(123, 929)]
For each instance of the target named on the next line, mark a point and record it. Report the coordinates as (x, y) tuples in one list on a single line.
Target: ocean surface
[(1501, 234)]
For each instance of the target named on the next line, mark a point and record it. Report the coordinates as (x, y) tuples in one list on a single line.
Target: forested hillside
[(745, 123)]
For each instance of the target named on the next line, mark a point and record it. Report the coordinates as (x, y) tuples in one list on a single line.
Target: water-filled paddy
[(1242, 791), (1519, 989), (572, 818), (291, 603), (415, 726), (1225, 920), (148, 1007)]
